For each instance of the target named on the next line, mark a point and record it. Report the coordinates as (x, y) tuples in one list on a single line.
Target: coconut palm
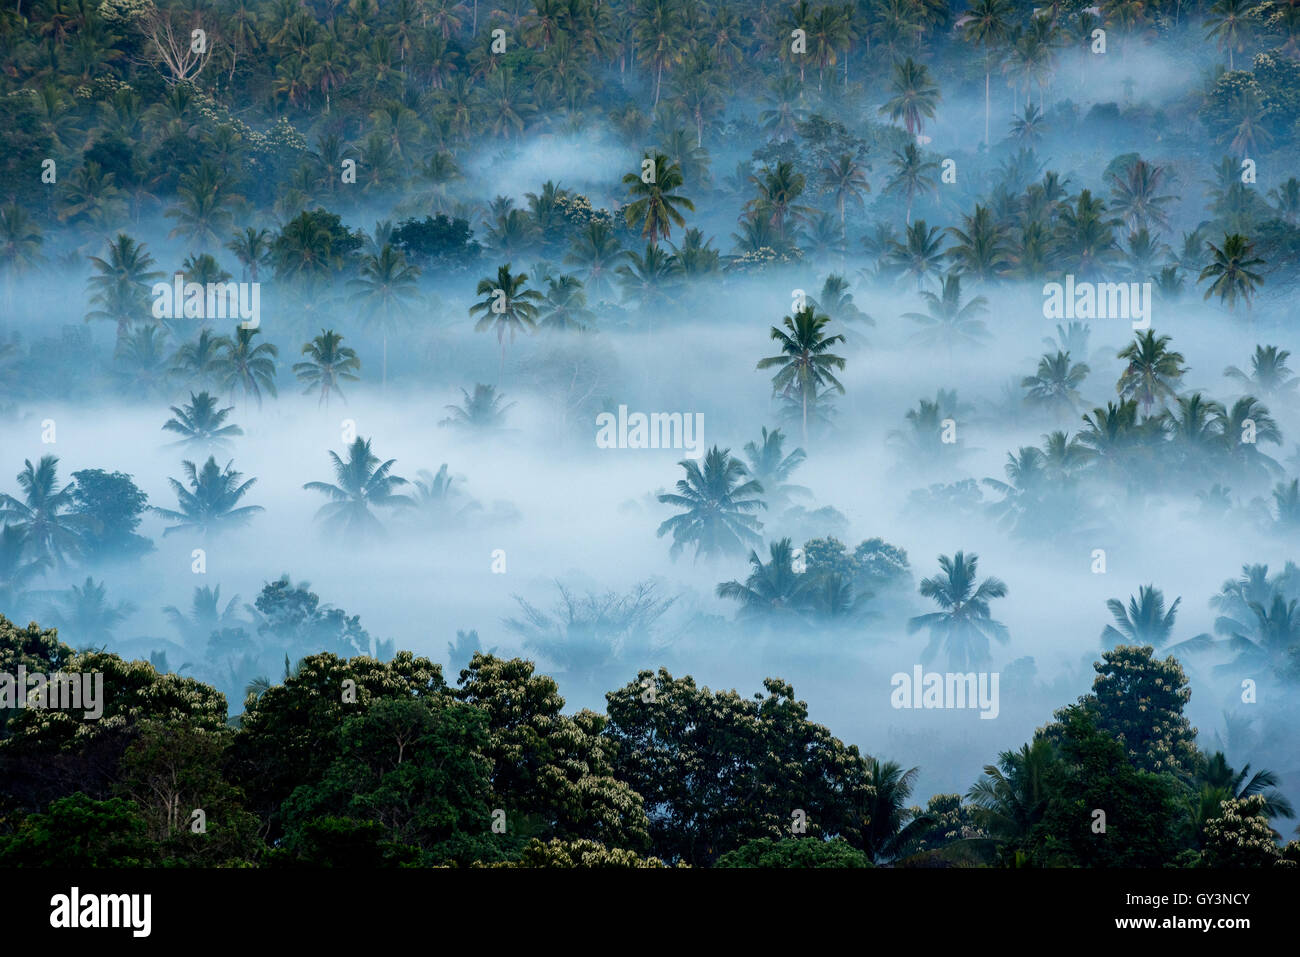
[(964, 626), (988, 23), (206, 615), (50, 532), (805, 362), (1153, 372), (646, 279), (890, 827), (1085, 236), (772, 589), (1145, 621), (483, 411), (845, 179), (920, 254), (246, 368), (1269, 373), (507, 305), (655, 204), (717, 500), (363, 483), (771, 469), (1231, 23), (211, 504), (20, 245), (1056, 384), (1135, 195), (779, 189), (947, 319), (913, 175), (1231, 272), (1011, 797), (596, 251), (385, 291), (84, 615), (564, 308), (252, 248), (914, 96), (980, 246), (201, 424), (1218, 775), (329, 364), (197, 362), (17, 567), (120, 287)]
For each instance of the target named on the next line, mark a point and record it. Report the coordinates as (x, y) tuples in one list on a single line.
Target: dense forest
[(418, 415)]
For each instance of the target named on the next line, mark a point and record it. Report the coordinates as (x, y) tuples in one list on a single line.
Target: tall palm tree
[(980, 247), (717, 500), (1231, 272), (245, 367), (805, 362), (772, 469), (363, 483), (482, 411), (845, 179), (914, 96), (205, 616), (252, 248), (564, 308), (913, 174), (655, 204), (920, 254), (1144, 622), (773, 588), (201, 424), (197, 362), (85, 615), (1085, 235), (779, 188), (1153, 372), (42, 517), (987, 23), (120, 287), (385, 290), (1232, 23), (889, 828), (1135, 195), (507, 305), (596, 250), (964, 626), (1217, 774), (211, 504), (1056, 384), (947, 319), (1011, 798), (1269, 373), (329, 364)]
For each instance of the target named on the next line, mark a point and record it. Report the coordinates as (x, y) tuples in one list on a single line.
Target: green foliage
[(795, 852)]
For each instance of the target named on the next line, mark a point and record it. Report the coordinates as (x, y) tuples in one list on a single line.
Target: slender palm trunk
[(986, 98)]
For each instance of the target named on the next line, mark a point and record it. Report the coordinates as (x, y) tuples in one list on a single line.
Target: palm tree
[(197, 362), (947, 319), (912, 175), (654, 203), (507, 305), (773, 588), (1144, 622), (16, 569), (385, 290), (988, 24), (597, 251), (51, 534), (889, 832), (252, 248), (846, 180), (1287, 500), (245, 367), (1085, 236), (363, 483), (920, 254), (121, 284), (565, 307), (211, 504), (779, 189), (1011, 798), (980, 247), (1153, 371), (804, 362), (1231, 23), (963, 628), (1218, 775), (1134, 193), (483, 411), (914, 98), (1029, 128), (717, 501), (206, 615), (771, 469), (85, 615), (1269, 373), (1056, 383), (658, 37), (201, 423), (646, 279), (330, 363), (1230, 270), (20, 244)]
